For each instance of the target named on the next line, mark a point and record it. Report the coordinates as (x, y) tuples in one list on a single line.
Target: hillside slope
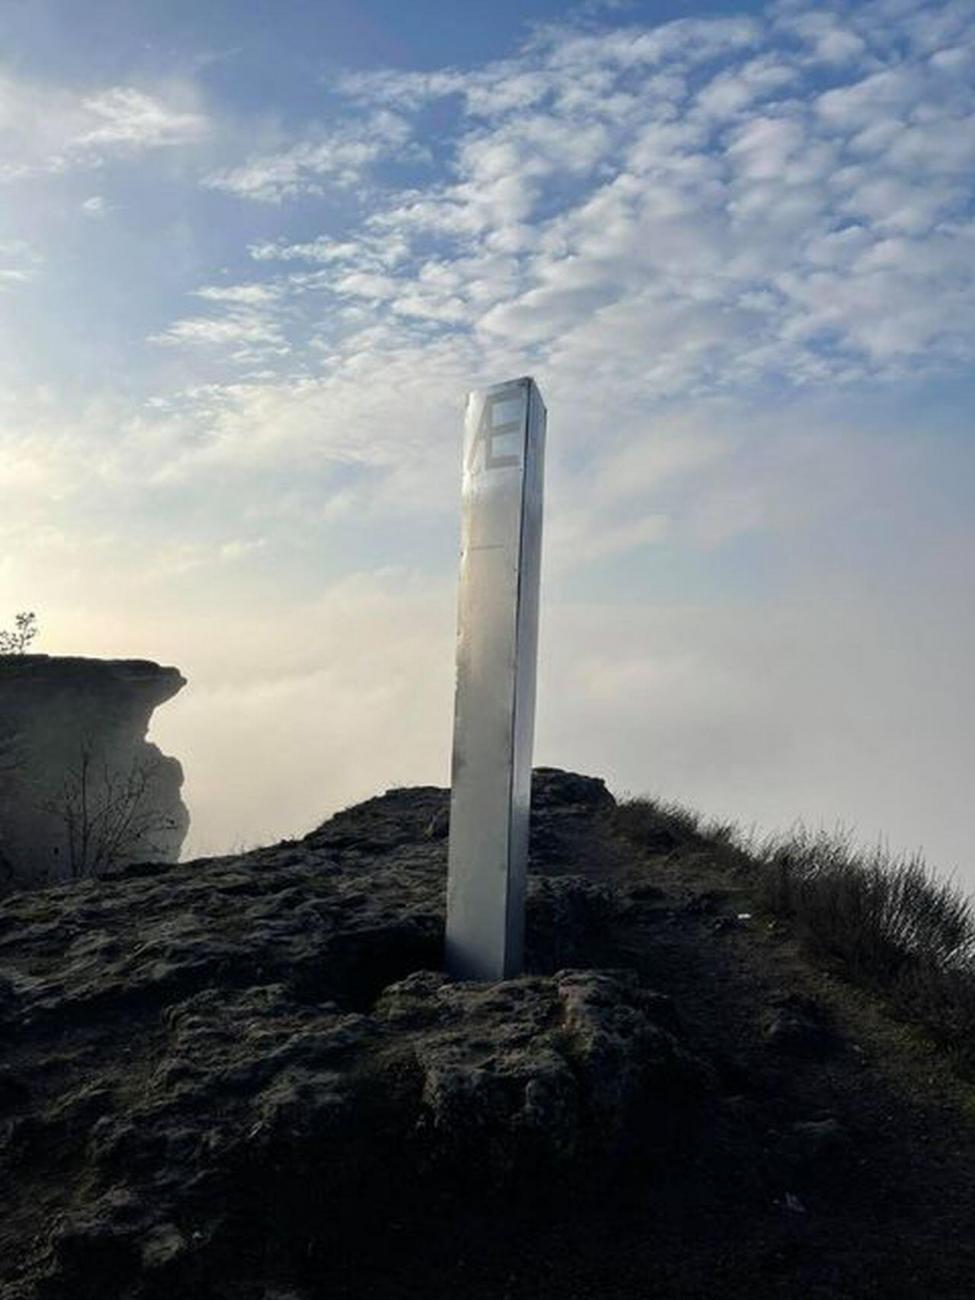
[(244, 1077)]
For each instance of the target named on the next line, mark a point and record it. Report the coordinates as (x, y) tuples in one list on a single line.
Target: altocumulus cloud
[(49, 129), (337, 157), (704, 206), (719, 244)]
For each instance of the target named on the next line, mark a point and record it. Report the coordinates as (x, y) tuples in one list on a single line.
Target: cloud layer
[(708, 203), (711, 206), (737, 255)]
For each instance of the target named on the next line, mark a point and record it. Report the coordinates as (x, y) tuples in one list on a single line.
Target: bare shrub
[(109, 817)]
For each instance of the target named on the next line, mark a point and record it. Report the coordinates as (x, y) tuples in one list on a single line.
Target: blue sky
[(252, 257)]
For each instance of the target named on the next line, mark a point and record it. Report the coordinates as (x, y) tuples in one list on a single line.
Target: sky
[(252, 258)]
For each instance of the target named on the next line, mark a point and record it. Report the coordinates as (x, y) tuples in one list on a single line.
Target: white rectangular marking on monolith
[(494, 713)]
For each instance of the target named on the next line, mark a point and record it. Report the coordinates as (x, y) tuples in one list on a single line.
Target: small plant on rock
[(15, 643)]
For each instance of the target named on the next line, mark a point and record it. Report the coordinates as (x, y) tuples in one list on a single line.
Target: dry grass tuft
[(657, 825), (886, 921)]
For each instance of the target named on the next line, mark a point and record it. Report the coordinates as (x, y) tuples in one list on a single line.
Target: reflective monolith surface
[(497, 638)]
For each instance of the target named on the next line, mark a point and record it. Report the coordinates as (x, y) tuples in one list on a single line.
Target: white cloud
[(669, 209), (827, 38), (46, 128), (655, 214), (238, 330), (336, 157), (762, 150), (860, 103), (248, 330), (19, 263), (95, 206), (130, 118), (240, 548), (351, 416), (246, 294), (323, 249), (576, 538), (686, 40), (735, 89)]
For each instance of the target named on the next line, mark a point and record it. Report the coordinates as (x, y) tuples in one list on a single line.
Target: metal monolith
[(494, 715)]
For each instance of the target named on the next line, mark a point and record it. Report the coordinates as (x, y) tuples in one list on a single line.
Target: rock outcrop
[(238, 1061), (81, 790), (246, 1078)]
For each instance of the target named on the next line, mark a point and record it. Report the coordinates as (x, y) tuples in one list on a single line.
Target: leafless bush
[(109, 817)]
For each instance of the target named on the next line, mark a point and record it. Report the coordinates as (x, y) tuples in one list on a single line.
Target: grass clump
[(657, 825), (886, 920), (878, 913), (663, 826)]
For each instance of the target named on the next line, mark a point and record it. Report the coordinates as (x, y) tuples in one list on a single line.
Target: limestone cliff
[(81, 790)]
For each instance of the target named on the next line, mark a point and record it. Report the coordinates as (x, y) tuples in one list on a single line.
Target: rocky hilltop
[(79, 784), (246, 1077)]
